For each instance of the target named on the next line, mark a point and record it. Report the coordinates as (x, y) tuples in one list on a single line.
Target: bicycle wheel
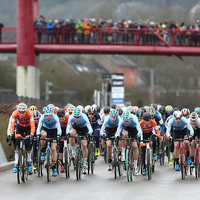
[(130, 164), (163, 154), (19, 167), (127, 164), (196, 163), (92, 158), (139, 160), (89, 158), (77, 162), (48, 165), (106, 155), (80, 163), (148, 164), (115, 161), (24, 168), (66, 159), (39, 163), (182, 165)]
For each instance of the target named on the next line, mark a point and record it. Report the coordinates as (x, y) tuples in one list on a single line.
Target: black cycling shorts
[(110, 131), (51, 133), (62, 142), (132, 131), (180, 134), (196, 134), (81, 131)]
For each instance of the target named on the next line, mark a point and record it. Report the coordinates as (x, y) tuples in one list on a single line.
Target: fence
[(10, 98)]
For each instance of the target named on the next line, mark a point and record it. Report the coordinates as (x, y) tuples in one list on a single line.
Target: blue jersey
[(108, 123), (134, 123), (182, 125), (165, 116), (84, 121), (95, 121), (49, 124), (159, 121)]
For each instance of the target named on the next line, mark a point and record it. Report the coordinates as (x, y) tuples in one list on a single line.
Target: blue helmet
[(77, 112), (47, 110), (126, 115), (197, 110), (114, 113)]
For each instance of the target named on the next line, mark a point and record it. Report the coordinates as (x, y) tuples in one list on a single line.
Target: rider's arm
[(155, 125), (9, 124), (137, 125), (187, 123), (88, 124), (13, 120), (59, 131), (40, 123), (161, 123), (104, 124), (119, 128), (69, 124), (169, 126), (32, 122)]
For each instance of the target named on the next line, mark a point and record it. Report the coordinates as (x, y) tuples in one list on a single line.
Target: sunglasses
[(91, 113), (21, 112), (61, 116), (76, 117), (48, 115), (127, 120), (178, 119)]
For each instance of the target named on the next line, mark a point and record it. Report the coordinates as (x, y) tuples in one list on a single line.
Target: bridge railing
[(108, 36)]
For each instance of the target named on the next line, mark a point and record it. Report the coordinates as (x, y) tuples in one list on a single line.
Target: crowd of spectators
[(1, 26)]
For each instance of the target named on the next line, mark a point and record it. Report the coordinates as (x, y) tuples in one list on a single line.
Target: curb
[(6, 166)]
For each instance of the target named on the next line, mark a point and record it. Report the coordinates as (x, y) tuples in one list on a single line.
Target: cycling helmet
[(158, 106), (51, 105), (194, 116), (185, 111), (131, 109), (15, 108), (86, 108), (98, 109), (36, 114), (177, 114), (47, 110), (123, 108), (101, 111), (114, 113), (151, 111), (146, 116), (197, 110), (135, 109), (106, 109), (140, 112), (153, 105), (113, 106), (126, 115), (169, 109), (92, 110), (77, 112), (146, 108), (32, 108), (119, 110), (95, 106), (175, 108), (22, 107), (61, 112), (70, 109), (162, 110)]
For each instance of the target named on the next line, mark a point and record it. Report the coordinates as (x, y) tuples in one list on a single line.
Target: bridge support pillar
[(27, 73)]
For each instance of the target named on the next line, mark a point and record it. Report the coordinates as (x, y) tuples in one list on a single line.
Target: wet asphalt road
[(165, 184)]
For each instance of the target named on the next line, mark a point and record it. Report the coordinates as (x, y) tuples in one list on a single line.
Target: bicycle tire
[(182, 165), (163, 154), (39, 163), (148, 164), (48, 167), (19, 167), (115, 162), (196, 163), (89, 158), (80, 163), (66, 161), (139, 160), (127, 164), (131, 164), (106, 155), (77, 163), (92, 159), (24, 168)]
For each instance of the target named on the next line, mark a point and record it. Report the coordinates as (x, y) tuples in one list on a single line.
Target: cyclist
[(49, 126), (185, 112), (169, 108), (81, 125), (139, 114), (25, 128), (108, 129), (195, 123), (63, 119), (149, 126), (129, 126), (95, 121), (131, 109), (197, 110), (70, 109), (119, 110), (180, 128), (36, 115), (32, 108)]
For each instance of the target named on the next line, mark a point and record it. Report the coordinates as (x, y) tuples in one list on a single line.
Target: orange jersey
[(28, 120), (152, 126), (64, 123)]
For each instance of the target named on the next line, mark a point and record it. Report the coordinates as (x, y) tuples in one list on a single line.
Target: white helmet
[(70, 109), (51, 105), (81, 107), (22, 107), (185, 111), (177, 114)]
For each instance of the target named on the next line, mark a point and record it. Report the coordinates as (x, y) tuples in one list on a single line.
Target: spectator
[(39, 31), (79, 31), (72, 31), (1, 26), (115, 33), (104, 33), (86, 31), (50, 33), (67, 31), (93, 31)]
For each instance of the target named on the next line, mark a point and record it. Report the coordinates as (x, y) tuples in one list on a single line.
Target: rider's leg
[(85, 151), (124, 142), (43, 142), (176, 153), (135, 153), (108, 142), (72, 140)]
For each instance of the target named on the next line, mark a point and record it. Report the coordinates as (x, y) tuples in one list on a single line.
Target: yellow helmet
[(32, 108)]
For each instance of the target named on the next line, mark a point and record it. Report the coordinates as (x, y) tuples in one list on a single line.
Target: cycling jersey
[(108, 123), (159, 120), (182, 125), (27, 120), (165, 116), (83, 122), (134, 123), (95, 121), (64, 123), (151, 126), (53, 123), (197, 125)]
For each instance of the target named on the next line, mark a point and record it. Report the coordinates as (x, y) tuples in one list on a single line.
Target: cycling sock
[(135, 163), (84, 162), (73, 149), (177, 161), (29, 157), (16, 158), (123, 150), (192, 158), (42, 148), (109, 159), (119, 151), (188, 153)]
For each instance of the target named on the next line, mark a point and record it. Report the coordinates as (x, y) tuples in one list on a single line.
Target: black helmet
[(113, 106), (36, 114), (61, 112), (139, 112), (147, 117), (175, 108), (154, 106), (162, 110), (106, 109), (119, 110), (98, 109)]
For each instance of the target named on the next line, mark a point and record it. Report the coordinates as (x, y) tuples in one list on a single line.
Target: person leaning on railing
[(79, 31), (1, 26), (86, 31), (39, 24)]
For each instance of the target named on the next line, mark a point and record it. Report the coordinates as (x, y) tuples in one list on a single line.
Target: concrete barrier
[(6, 166)]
